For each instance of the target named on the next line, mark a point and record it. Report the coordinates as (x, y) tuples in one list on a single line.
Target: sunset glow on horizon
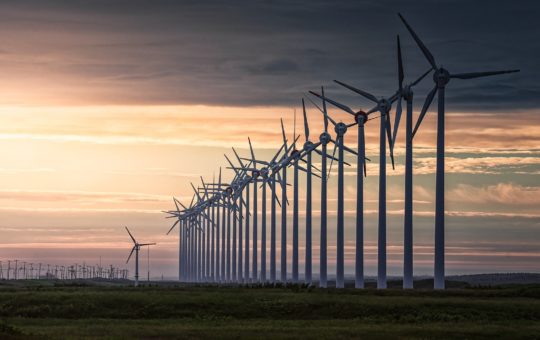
[(102, 123)]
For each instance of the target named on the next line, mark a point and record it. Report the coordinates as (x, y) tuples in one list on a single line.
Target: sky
[(108, 109)]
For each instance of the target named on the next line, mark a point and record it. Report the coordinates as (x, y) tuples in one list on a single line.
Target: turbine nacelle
[(325, 138), (441, 77), (264, 172), (340, 128), (361, 117), (384, 105), (308, 145), (407, 92)]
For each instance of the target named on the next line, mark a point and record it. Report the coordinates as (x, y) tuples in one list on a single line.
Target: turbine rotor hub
[(295, 154), (441, 77), (384, 105), (340, 128), (325, 138), (407, 92), (361, 117)]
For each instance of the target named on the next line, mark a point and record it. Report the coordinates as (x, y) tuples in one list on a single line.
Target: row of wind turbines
[(219, 229), (22, 270)]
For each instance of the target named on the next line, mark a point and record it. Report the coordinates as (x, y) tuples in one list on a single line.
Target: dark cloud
[(271, 52)]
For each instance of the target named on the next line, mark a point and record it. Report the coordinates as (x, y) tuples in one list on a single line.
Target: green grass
[(64, 312)]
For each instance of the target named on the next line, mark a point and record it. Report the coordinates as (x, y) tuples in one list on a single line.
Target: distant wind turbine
[(136, 247)]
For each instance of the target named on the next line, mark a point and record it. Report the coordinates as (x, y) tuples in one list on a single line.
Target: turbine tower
[(406, 92), (361, 119), (324, 139), (340, 129), (441, 77), (383, 105), (284, 211), (136, 247), (267, 179), (255, 175)]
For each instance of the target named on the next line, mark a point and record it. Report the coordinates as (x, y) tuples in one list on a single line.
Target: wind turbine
[(269, 174), (267, 180), (284, 211), (361, 119), (247, 200), (383, 105), (406, 92), (307, 149), (324, 139), (242, 182), (255, 175), (441, 77), (181, 241), (297, 156), (340, 129), (136, 247)]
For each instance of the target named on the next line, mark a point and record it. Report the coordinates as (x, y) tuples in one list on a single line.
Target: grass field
[(43, 310)]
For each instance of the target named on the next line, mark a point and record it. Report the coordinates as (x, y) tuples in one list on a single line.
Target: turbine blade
[(401, 75), (428, 101), (420, 44), (280, 180), (251, 150), (421, 77), (327, 155), (204, 186), (306, 127), (174, 225), (363, 93), (196, 192), (294, 130), (238, 157), (315, 104), (284, 136), (183, 206), (232, 167), (276, 155), (389, 136), (301, 168), (325, 113), (336, 104), (176, 204), (132, 250), (397, 120), (275, 195), (332, 160), (256, 161), (350, 150), (133, 238), (480, 74), (363, 146), (375, 109)]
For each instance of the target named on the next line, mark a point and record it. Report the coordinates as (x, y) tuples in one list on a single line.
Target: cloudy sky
[(109, 108)]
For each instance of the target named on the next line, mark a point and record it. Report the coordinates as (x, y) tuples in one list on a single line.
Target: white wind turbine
[(136, 247), (441, 77)]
